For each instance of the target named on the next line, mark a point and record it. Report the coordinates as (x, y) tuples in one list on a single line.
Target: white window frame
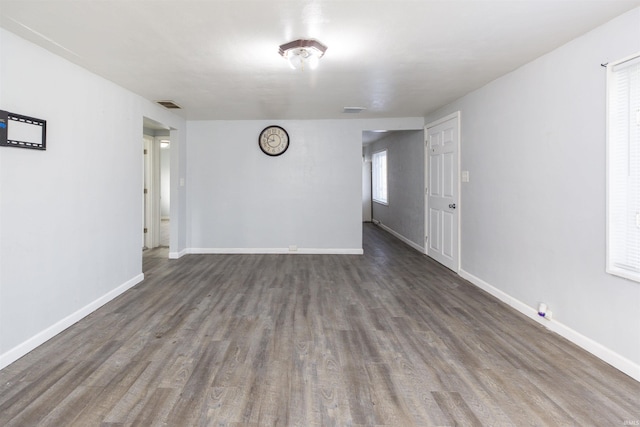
[(379, 177), (623, 168)]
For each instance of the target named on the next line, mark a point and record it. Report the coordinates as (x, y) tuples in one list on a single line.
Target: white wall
[(241, 200), (533, 213), (70, 216), (404, 213)]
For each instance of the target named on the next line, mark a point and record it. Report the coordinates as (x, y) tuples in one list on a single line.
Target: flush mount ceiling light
[(303, 53)]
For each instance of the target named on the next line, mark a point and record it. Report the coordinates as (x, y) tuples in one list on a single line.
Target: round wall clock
[(273, 140)]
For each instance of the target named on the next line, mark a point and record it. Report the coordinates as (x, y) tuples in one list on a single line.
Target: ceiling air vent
[(169, 104), (353, 110)]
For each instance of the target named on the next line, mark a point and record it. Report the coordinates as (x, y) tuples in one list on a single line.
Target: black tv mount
[(21, 131)]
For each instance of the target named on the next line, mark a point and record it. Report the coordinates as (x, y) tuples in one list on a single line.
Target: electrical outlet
[(293, 248)]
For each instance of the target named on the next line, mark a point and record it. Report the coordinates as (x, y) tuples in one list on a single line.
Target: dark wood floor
[(385, 339)]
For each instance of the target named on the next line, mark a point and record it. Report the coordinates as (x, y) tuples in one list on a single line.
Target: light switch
[(181, 182), (465, 176)]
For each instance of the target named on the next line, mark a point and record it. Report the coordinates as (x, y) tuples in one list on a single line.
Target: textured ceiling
[(219, 59)]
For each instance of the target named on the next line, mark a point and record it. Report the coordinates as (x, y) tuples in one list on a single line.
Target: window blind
[(623, 168)]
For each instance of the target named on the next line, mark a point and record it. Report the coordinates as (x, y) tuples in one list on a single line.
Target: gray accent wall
[(404, 213)]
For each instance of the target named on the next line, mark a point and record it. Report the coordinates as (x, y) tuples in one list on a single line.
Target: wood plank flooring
[(390, 338)]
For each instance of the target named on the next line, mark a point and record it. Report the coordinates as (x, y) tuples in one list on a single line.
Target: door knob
[(452, 206)]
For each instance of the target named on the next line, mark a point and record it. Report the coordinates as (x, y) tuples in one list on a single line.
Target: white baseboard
[(176, 255), (611, 357), (299, 251), (41, 337), (401, 237)]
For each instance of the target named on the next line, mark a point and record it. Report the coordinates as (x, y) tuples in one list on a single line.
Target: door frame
[(151, 191), (456, 115)]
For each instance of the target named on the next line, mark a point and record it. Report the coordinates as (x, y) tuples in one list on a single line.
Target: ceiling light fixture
[(303, 53)]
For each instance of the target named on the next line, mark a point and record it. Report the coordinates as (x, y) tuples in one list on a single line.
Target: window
[(379, 181), (623, 168)]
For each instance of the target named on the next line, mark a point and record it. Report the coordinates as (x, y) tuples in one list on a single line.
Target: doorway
[(156, 185), (399, 207)]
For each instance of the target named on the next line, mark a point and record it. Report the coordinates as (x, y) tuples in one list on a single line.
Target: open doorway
[(396, 188), (156, 185)]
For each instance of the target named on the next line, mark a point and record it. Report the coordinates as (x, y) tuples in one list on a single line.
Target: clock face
[(273, 140)]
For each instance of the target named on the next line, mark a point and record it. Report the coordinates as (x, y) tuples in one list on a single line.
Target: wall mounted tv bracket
[(21, 131)]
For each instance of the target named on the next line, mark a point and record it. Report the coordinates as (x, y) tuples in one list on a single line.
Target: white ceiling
[(218, 59)]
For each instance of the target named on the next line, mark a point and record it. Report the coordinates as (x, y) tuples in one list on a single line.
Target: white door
[(442, 141)]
